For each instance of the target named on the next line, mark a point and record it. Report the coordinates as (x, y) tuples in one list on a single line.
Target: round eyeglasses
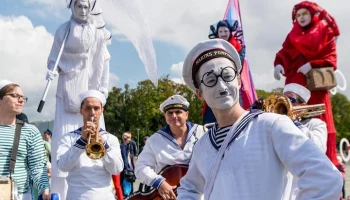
[(18, 96), (227, 74)]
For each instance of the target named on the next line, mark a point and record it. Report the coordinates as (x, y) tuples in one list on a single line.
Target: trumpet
[(94, 148), (278, 103)]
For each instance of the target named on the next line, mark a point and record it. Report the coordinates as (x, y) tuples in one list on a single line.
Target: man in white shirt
[(89, 179), (247, 154), (171, 145), (314, 128)]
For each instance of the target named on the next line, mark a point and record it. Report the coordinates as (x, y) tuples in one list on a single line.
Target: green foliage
[(137, 109), (263, 94), (341, 115)]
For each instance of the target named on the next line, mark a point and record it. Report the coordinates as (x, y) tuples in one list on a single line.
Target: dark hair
[(48, 131), (223, 23), (8, 88)]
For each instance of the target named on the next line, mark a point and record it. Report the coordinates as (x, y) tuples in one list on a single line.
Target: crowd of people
[(281, 155)]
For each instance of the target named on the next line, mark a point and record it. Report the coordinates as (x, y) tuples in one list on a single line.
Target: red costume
[(117, 186), (314, 44)]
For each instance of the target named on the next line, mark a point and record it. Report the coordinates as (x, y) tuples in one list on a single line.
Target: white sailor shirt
[(89, 179), (161, 150)]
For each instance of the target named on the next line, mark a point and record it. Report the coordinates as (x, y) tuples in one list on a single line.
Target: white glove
[(278, 71), (104, 91), (305, 68), (50, 75)]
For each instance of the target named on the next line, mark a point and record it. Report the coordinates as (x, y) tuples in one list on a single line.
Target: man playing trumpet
[(314, 128), (89, 173)]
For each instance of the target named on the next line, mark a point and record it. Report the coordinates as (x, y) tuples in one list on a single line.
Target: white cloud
[(177, 68), (178, 80), (266, 24), (23, 56), (113, 81)]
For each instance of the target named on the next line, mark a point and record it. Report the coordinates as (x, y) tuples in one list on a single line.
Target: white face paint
[(224, 33), (223, 95), (81, 10), (303, 17)]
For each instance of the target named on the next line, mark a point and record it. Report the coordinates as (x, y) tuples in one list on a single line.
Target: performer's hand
[(50, 75), (88, 128), (305, 68), (278, 71), (258, 104), (166, 191), (46, 194)]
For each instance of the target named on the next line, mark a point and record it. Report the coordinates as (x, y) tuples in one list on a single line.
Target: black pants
[(343, 189)]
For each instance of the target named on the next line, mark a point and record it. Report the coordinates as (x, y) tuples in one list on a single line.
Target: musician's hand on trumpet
[(166, 191), (88, 128)]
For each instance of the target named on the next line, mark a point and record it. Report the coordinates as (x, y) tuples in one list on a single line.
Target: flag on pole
[(248, 93)]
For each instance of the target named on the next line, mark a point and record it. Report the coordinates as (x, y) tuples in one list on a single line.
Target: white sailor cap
[(4, 82), (300, 90), (174, 102), (93, 93), (203, 52)]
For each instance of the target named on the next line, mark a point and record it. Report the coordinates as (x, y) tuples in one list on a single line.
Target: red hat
[(313, 8), (310, 6)]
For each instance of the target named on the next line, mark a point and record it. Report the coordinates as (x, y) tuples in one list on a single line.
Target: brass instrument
[(278, 103), (94, 148)]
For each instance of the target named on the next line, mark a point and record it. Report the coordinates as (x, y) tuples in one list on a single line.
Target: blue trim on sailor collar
[(79, 130), (166, 132), (215, 127)]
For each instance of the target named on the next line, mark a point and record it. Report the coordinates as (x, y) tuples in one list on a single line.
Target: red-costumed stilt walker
[(311, 44)]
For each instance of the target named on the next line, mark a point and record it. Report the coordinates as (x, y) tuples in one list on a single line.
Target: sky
[(27, 28)]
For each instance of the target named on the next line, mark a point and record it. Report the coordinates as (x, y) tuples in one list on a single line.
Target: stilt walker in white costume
[(84, 65)]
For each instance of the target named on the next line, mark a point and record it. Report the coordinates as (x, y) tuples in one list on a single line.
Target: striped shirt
[(217, 135), (31, 158)]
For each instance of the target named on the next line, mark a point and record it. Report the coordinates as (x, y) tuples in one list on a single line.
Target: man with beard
[(247, 154)]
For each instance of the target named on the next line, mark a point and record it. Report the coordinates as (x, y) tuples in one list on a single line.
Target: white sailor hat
[(174, 102), (300, 90), (93, 93), (203, 52), (3, 83)]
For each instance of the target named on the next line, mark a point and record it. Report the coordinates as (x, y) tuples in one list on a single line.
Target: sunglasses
[(302, 14), (294, 100)]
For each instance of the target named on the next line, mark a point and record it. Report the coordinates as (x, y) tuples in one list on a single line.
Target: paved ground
[(347, 179)]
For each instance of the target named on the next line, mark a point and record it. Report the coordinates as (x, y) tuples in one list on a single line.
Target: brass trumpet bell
[(278, 103), (95, 149)]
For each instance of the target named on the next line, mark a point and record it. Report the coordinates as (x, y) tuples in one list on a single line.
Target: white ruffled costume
[(84, 65)]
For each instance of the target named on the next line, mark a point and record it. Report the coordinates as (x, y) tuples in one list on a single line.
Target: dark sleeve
[(124, 152), (134, 149)]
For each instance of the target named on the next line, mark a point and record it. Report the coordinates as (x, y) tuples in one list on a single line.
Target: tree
[(341, 115), (137, 109)]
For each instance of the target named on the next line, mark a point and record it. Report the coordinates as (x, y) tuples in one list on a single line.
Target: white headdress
[(300, 90)]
